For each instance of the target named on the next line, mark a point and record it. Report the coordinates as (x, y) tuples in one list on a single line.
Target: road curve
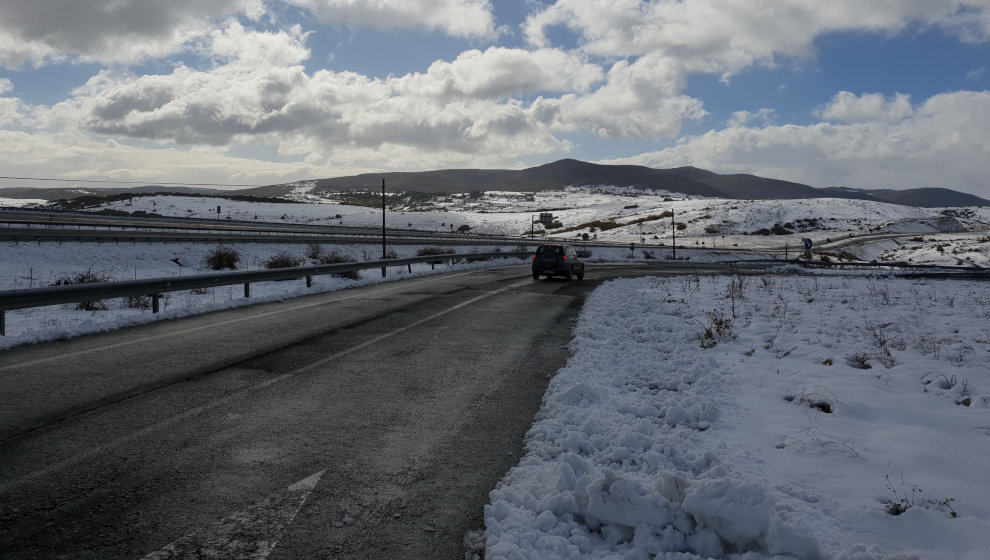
[(357, 424)]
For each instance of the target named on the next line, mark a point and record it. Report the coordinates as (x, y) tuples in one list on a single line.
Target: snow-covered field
[(630, 215), (757, 417)]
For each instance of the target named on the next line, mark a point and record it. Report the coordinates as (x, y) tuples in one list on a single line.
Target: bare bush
[(336, 257), (88, 277), (428, 251), (314, 251), (283, 260), (719, 326), (137, 302), (223, 257)]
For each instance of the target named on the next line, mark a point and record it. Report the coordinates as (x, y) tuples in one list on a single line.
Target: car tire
[(581, 275), (536, 275)]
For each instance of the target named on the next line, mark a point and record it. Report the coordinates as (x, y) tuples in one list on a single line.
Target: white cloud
[(868, 107), (459, 18), (638, 100), (128, 32), (259, 93), (235, 44), (109, 32), (11, 109), (74, 156), (943, 144), (501, 72), (726, 36), (976, 74), (742, 118)]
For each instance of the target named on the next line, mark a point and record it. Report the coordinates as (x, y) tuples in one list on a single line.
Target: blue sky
[(859, 93)]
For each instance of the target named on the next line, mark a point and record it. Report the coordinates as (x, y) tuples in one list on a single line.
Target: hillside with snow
[(625, 215)]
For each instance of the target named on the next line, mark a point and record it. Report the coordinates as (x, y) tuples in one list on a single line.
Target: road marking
[(225, 323), (157, 426), (250, 534)]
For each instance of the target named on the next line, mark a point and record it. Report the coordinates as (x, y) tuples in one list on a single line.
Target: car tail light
[(564, 257)]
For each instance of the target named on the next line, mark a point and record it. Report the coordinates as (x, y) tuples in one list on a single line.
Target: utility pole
[(384, 251)]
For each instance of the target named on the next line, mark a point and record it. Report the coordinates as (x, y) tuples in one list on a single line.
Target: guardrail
[(155, 287)]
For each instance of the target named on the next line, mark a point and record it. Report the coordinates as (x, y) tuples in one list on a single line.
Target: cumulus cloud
[(726, 36), (868, 107), (638, 100), (942, 144), (259, 93), (459, 18), (743, 118), (109, 32), (501, 72), (127, 32)]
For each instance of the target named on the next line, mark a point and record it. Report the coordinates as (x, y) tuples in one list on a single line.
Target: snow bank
[(679, 430)]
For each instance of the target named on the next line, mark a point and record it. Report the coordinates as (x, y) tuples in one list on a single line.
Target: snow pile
[(733, 418)]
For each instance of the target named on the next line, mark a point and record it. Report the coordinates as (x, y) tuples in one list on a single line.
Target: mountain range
[(560, 174)]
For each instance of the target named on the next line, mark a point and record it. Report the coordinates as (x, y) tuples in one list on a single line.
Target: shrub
[(719, 326), (283, 260), (427, 251), (137, 302), (314, 251), (223, 257), (336, 257), (88, 277)]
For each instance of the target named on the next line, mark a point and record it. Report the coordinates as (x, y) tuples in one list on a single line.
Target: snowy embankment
[(28, 265), (747, 418)]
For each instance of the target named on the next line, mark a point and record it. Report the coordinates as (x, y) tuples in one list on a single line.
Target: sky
[(855, 93)]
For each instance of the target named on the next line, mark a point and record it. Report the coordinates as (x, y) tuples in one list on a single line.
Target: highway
[(366, 423)]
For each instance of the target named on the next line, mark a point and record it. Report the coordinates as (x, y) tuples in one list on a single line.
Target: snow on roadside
[(29, 265), (765, 437)]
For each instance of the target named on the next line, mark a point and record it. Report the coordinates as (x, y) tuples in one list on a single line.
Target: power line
[(117, 182)]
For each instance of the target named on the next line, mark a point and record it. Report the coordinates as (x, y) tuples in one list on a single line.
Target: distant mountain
[(560, 174), (56, 193), (921, 198)]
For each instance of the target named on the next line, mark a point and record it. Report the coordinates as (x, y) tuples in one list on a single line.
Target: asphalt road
[(367, 423)]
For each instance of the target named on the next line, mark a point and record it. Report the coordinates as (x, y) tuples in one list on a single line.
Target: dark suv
[(557, 260)]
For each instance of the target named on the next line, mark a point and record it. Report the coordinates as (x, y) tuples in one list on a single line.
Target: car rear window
[(553, 249)]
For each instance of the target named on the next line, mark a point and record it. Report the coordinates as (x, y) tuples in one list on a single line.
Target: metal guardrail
[(155, 287)]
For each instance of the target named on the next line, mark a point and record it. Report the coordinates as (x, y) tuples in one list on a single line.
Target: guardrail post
[(410, 268), (156, 303), (309, 281), (247, 289), (3, 322)]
